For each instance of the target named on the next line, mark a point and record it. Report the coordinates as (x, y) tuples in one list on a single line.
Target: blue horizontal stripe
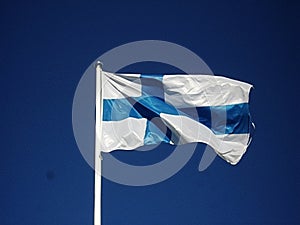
[(229, 119), (236, 118), (139, 107)]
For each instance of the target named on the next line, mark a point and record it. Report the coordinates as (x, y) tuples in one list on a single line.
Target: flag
[(146, 109)]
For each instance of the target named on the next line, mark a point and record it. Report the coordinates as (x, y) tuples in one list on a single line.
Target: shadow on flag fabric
[(144, 109)]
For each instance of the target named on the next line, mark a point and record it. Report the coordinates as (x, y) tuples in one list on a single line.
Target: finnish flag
[(143, 109)]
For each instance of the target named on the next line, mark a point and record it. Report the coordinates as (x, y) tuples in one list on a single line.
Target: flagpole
[(98, 135)]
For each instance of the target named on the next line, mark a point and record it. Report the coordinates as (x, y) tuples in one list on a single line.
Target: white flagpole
[(98, 134)]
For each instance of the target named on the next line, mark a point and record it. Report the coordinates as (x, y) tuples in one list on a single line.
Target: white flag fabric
[(144, 109)]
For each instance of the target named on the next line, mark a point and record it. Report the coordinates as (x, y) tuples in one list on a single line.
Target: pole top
[(99, 63)]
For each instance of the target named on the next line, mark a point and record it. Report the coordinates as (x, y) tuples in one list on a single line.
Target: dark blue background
[(46, 46)]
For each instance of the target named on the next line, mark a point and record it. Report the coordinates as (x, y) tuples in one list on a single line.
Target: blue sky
[(46, 47)]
